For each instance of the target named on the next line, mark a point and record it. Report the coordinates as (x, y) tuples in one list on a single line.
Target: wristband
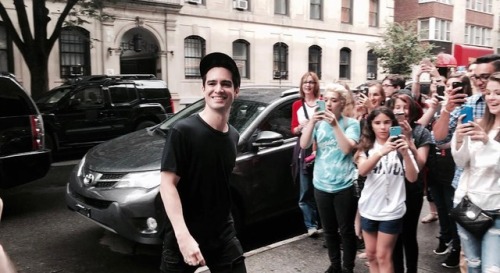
[(445, 110)]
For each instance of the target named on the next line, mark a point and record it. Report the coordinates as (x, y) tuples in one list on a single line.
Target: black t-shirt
[(204, 159)]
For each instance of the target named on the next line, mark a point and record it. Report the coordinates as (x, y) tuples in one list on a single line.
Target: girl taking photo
[(385, 161)]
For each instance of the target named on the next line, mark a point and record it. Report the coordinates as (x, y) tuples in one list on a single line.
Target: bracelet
[(445, 110)]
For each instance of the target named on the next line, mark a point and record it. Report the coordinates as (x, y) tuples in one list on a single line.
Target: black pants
[(407, 241), (337, 212), (443, 198), (227, 259)]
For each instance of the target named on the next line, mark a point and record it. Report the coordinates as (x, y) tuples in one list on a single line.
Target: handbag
[(470, 216)]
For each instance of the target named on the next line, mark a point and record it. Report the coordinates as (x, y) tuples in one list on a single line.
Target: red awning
[(468, 54), (445, 60)]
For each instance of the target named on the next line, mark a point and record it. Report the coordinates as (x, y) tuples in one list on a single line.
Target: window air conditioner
[(240, 4), (198, 2)]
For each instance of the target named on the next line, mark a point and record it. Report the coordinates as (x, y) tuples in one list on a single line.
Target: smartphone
[(456, 85), (469, 115), (440, 90), (400, 116), (321, 105), (394, 132)]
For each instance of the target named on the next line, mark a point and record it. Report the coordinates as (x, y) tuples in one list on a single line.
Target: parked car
[(23, 157), (98, 108), (116, 184)]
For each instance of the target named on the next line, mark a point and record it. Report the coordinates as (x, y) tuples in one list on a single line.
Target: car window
[(243, 112), (13, 101), (89, 97), (54, 95), (279, 121), (123, 93)]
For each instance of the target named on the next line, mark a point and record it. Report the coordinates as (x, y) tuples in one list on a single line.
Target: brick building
[(464, 28)]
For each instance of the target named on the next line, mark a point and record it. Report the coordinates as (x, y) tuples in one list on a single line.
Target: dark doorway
[(138, 66)]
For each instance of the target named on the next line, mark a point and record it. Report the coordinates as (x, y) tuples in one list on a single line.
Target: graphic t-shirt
[(383, 196), (334, 170)]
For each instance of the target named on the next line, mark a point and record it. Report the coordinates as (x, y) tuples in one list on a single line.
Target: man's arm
[(173, 207)]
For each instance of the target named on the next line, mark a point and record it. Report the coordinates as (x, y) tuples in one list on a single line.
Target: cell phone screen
[(440, 90)]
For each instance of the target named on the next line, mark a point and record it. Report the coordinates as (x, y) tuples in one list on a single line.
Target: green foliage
[(400, 48), (87, 9)]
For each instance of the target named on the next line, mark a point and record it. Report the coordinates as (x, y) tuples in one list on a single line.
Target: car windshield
[(53, 96), (243, 112)]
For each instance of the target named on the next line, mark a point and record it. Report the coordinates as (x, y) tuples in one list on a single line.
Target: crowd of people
[(378, 151)]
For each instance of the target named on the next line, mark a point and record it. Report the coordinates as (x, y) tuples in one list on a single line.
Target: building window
[(372, 65), (373, 16), (241, 55), (281, 7), (435, 29), (280, 61), (345, 64), (74, 51), (480, 5), (316, 10), (5, 50), (449, 2), (315, 55), (475, 35), (194, 50), (346, 16)]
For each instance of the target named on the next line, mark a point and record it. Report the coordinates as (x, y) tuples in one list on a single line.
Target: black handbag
[(471, 217)]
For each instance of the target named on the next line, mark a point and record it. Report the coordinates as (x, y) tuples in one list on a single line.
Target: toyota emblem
[(88, 179)]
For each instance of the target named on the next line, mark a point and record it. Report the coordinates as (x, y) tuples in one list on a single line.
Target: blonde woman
[(334, 173)]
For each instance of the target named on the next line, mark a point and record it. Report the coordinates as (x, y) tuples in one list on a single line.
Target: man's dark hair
[(396, 80), (488, 58), (496, 65)]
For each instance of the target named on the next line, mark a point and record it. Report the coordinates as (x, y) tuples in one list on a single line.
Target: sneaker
[(443, 247), (312, 232), (332, 269), (453, 259), (347, 270)]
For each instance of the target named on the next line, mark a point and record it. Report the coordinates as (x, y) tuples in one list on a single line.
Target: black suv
[(23, 157), (94, 109)]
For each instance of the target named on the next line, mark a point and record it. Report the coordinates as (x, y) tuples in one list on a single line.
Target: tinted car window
[(89, 96), (279, 121), (12, 102), (54, 95), (122, 93)]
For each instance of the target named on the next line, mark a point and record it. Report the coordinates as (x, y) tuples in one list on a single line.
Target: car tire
[(145, 124)]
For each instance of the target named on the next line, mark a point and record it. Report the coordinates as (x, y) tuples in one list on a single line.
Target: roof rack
[(96, 78)]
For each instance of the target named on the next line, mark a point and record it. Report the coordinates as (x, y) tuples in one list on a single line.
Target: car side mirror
[(268, 139)]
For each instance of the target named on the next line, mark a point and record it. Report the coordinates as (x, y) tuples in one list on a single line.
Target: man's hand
[(190, 250)]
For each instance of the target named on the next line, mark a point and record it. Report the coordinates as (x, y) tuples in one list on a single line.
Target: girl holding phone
[(420, 139), (385, 164), (335, 136)]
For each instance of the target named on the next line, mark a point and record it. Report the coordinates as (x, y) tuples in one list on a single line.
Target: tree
[(400, 48), (36, 45)]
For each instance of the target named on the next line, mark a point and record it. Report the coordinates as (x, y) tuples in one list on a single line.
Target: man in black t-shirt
[(198, 159)]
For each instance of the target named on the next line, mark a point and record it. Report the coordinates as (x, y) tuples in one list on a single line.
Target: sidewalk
[(304, 254)]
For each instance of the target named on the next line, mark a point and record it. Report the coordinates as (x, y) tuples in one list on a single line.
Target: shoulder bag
[(470, 216)]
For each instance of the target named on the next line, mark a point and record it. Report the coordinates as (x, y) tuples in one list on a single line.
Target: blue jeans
[(306, 201), (482, 254), (443, 198), (337, 212)]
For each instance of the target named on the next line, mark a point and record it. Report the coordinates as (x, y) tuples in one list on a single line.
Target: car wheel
[(145, 124)]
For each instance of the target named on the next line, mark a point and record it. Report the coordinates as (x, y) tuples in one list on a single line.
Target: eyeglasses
[(387, 85), (309, 82), (482, 77)]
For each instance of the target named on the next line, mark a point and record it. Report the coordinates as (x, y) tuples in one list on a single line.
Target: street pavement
[(304, 254)]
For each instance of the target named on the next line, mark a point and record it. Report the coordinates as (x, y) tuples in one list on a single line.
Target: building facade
[(464, 28), (273, 42)]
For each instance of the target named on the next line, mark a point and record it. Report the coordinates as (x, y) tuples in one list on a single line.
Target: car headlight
[(145, 180), (81, 164)]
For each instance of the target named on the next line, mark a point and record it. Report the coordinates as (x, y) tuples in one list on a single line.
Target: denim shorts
[(389, 227)]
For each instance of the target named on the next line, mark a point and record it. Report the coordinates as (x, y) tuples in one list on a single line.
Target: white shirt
[(384, 194), (481, 175), (301, 117)]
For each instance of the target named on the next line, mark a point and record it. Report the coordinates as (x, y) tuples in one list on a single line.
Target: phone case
[(469, 115), (395, 131), (321, 105)]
